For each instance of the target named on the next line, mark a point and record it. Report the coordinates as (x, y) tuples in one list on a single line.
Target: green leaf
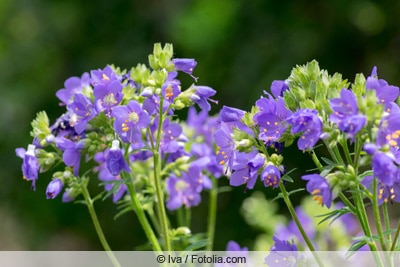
[(354, 248), (334, 215), (197, 245), (328, 161)]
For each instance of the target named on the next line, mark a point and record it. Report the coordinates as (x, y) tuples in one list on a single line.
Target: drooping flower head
[(129, 121), (30, 165), (186, 65), (307, 122), (202, 95), (271, 176), (319, 188), (115, 160), (54, 188)]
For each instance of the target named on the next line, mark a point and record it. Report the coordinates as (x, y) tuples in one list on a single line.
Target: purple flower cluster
[(113, 116)]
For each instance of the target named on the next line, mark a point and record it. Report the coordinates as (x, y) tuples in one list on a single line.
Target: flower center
[(180, 186), (109, 100), (134, 117)]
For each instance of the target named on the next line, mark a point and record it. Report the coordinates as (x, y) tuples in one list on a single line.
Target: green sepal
[(40, 127)]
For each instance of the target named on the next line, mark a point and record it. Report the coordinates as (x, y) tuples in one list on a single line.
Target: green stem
[(143, 219), (97, 226), (212, 213), (298, 224), (378, 216), (316, 161), (393, 247), (346, 149), (387, 222), (162, 214)]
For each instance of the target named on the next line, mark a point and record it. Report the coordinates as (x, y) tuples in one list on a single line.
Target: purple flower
[(65, 126), (115, 160), (307, 122), (170, 90), (278, 87), (54, 188), (182, 192), (282, 253), (201, 180), (384, 168), (103, 77), (389, 131), (234, 246), (107, 96), (129, 121), (73, 85), (385, 193), (109, 179), (30, 165), (386, 93), (229, 114), (225, 145), (171, 131), (319, 188), (271, 119), (202, 96), (84, 111), (72, 154), (186, 65), (271, 176), (345, 113), (246, 166)]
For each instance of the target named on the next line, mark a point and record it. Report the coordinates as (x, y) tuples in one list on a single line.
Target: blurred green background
[(241, 47)]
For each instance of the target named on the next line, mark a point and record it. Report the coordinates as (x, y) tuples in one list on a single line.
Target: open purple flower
[(282, 254), (129, 121), (115, 160), (73, 85), (345, 113), (384, 168), (271, 176), (271, 119), (246, 166), (319, 188), (182, 192), (385, 193), (170, 90), (186, 65), (54, 188), (84, 111), (386, 93), (307, 122), (171, 131), (103, 76), (107, 96), (30, 165), (202, 96)]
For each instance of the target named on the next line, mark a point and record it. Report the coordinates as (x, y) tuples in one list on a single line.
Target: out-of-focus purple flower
[(389, 130), (345, 113), (385, 193), (54, 188), (72, 86), (30, 165), (234, 246), (319, 188), (72, 154), (186, 65), (271, 176), (67, 196), (129, 121), (107, 96), (84, 111), (171, 131), (202, 96), (115, 160), (170, 90), (271, 119), (282, 254), (384, 168), (182, 192), (246, 166), (103, 76), (195, 172), (386, 93), (307, 122), (278, 87)]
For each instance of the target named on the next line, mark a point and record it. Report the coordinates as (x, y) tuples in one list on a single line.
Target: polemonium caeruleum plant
[(149, 161)]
